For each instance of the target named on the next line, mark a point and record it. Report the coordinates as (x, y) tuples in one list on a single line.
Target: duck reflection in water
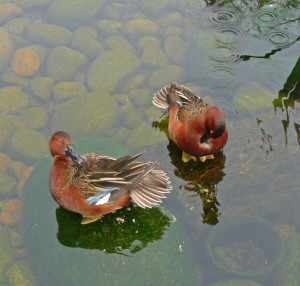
[(125, 232), (201, 178)]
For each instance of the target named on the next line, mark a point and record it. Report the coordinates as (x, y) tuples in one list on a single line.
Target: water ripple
[(228, 35), (221, 76), (224, 53), (223, 16), (266, 17), (279, 39)]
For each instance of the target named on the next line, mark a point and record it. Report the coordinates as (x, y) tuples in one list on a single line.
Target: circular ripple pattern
[(228, 35), (223, 17), (279, 39), (221, 76), (225, 53), (266, 17)]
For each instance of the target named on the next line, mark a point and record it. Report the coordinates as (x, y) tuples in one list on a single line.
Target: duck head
[(62, 143), (215, 122)]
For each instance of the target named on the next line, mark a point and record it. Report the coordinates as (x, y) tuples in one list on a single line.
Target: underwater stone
[(140, 97), (153, 7), (137, 28), (6, 250), (251, 98), (172, 31), (8, 11), (67, 89), (41, 87), (6, 47), (11, 213), (48, 34), (35, 117), (111, 67), (85, 40), (11, 78), (119, 134), (171, 19), (28, 145), (165, 75), (154, 56), (85, 115), (143, 136), (63, 63), (175, 49), (148, 41), (109, 26), (153, 114), (73, 13), (8, 183), (4, 162), (20, 274), (115, 42), (130, 117), (17, 169), (12, 99), (133, 82), (32, 3), (26, 61), (234, 282)]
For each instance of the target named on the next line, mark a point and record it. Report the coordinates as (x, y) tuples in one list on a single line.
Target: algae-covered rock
[(136, 81), (109, 68), (17, 26), (7, 184), (115, 42), (67, 89), (6, 47), (12, 99), (11, 78), (8, 11), (4, 162), (235, 282), (137, 28), (84, 115), (35, 117), (109, 26), (85, 40), (73, 13), (170, 19), (151, 243), (148, 41), (33, 3), (48, 34), (143, 136), (26, 61), (141, 97), (41, 87), (130, 117), (154, 56), (175, 49), (166, 74), (6, 250), (28, 145), (11, 213), (252, 98), (20, 274), (153, 8), (63, 63)]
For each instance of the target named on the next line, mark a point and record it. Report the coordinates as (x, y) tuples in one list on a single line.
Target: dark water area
[(91, 68)]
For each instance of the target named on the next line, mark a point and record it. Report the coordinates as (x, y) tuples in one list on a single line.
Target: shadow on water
[(130, 228), (199, 178)]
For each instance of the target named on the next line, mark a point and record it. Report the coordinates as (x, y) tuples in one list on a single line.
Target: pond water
[(91, 68)]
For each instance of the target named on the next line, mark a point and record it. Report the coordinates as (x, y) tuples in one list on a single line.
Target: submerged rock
[(8, 11), (137, 28), (63, 63), (150, 242), (68, 89), (41, 87), (6, 48), (84, 115), (109, 68), (234, 282), (17, 26), (20, 274), (153, 8), (35, 117), (176, 49), (8, 183), (11, 213), (12, 99), (73, 13)]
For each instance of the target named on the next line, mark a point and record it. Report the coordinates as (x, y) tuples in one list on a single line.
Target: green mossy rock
[(63, 63), (6, 48), (28, 145), (84, 115), (17, 26), (8, 11), (154, 7), (137, 28), (12, 99), (11, 78), (115, 42), (8, 183), (33, 3), (11, 213), (111, 67), (154, 56), (48, 34), (176, 49), (41, 87), (148, 41), (150, 243), (35, 117), (234, 282), (20, 274), (6, 250), (130, 117), (109, 26), (68, 89), (85, 40), (141, 97), (252, 98), (165, 75), (73, 13)]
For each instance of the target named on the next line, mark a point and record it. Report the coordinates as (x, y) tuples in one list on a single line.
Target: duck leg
[(204, 158), (186, 157), (90, 219)]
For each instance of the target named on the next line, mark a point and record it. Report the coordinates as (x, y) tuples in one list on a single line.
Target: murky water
[(91, 68)]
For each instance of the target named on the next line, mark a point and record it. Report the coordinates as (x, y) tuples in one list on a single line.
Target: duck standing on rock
[(198, 129), (94, 184)]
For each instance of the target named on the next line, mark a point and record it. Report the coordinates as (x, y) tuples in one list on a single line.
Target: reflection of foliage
[(266, 138), (287, 98), (201, 178), (129, 228)]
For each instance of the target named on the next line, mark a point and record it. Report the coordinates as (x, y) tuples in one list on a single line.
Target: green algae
[(20, 274), (111, 67)]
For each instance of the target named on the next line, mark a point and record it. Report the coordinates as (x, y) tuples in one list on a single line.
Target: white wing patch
[(104, 199)]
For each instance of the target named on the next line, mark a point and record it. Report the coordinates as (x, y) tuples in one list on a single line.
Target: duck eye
[(59, 141)]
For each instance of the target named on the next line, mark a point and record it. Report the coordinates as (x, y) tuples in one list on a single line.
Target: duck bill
[(73, 154)]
